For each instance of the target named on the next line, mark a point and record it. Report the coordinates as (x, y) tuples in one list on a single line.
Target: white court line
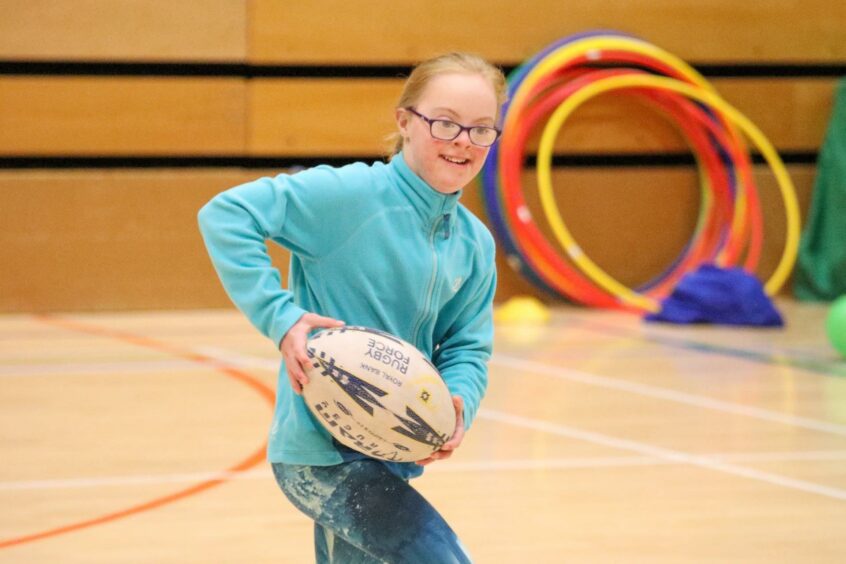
[(447, 466), (135, 480), (224, 358), (665, 394), (92, 368), (592, 380), (239, 360), (663, 453), (217, 359)]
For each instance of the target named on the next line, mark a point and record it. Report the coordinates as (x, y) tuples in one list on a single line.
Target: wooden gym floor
[(139, 437)]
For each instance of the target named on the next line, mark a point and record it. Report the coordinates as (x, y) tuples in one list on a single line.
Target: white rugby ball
[(377, 394)]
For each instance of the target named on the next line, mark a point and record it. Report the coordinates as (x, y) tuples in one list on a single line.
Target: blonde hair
[(447, 63)]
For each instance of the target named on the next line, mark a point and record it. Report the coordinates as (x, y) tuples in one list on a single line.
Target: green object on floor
[(821, 265)]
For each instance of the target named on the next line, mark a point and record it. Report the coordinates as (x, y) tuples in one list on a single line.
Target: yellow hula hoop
[(706, 96)]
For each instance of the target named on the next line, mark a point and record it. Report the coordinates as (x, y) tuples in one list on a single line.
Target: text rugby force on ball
[(389, 356)]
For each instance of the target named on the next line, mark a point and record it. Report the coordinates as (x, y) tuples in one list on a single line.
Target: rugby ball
[(377, 394)]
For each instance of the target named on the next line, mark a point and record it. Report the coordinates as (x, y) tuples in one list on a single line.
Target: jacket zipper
[(430, 289)]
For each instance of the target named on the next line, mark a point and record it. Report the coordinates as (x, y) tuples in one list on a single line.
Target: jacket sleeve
[(463, 353), (297, 211)]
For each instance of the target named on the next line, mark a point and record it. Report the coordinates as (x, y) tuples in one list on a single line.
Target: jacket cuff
[(283, 324)]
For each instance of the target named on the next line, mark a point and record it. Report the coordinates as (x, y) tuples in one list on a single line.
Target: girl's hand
[(457, 436), (293, 347)]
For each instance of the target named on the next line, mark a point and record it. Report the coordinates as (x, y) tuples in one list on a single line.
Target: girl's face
[(465, 98)]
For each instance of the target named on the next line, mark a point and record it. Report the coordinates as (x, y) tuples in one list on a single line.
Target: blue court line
[(816, 365)]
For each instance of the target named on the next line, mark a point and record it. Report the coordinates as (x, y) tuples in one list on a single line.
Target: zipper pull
[(446, 226)]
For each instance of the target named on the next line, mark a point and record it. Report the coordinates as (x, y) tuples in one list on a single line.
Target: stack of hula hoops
[(549, 88)]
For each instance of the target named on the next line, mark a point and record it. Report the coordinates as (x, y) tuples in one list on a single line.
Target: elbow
[(204, 216)]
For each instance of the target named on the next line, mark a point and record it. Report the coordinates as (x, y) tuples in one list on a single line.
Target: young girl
[(385, 246)]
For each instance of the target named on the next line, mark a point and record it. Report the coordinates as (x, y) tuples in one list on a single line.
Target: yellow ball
[(522, 310)]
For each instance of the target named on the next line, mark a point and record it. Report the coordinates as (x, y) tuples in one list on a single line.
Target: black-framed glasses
[(447, 130)]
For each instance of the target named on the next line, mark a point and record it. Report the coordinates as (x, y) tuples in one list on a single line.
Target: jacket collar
[(431, 203)]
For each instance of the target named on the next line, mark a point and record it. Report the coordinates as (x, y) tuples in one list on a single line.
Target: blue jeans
[(364, 513)]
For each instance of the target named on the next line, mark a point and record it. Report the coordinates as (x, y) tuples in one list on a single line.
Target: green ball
[(835, 325)]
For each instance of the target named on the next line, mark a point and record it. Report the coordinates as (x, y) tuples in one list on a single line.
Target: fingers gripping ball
[(377, 394), (835, 325)]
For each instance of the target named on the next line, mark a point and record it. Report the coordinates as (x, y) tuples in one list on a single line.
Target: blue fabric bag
[(722, 296)]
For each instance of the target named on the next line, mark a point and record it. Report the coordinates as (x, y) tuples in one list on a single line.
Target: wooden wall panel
[(107, 240), (117, 240), (793, 112), (347, 116), (92, 115), (127, 30), (118, 116), (321, 116), (331, 31)]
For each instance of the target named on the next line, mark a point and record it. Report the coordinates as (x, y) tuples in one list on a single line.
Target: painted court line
[(255, 458), (96, 368), (665, 394), (659, 336), (232, 358), (663, 453), (224, 358), (219, 358), (450, 466), (216, 358), (134, 480), (650, 455), (245, 361)]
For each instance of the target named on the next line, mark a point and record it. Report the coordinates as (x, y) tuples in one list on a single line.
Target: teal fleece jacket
[(371, 245)]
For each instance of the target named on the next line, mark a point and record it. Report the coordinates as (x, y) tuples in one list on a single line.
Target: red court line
[(252, 460)]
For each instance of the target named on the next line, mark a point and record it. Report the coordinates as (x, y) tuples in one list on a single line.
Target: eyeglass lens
[(449, 130)]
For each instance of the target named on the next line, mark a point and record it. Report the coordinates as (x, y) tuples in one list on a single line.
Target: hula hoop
[(569, 244), (729, 227), (526, 233), (503, 170)]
